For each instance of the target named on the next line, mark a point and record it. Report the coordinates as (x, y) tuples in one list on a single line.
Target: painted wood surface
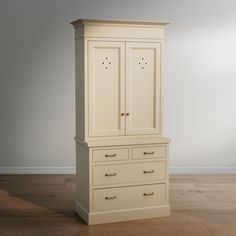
[(119, 119)]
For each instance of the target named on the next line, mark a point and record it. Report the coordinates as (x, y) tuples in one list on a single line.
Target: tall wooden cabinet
[(121, 154)]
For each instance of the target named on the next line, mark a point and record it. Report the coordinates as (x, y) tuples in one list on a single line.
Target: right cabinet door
[(143, 88)]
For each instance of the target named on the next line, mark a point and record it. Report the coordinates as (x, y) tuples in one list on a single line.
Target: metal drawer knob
[(110, 155), (112, 174), (148, 171), (148, 153), (110, 198), (148, 194)]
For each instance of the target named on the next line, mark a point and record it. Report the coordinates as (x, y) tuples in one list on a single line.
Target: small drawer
[(148, 152), (129, 173), (111, 154), (129, 197)]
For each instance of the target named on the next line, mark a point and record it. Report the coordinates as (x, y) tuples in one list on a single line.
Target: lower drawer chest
[(116, 183)]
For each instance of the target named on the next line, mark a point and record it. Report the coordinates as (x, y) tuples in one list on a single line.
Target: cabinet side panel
[(82, 175), (79, 85)]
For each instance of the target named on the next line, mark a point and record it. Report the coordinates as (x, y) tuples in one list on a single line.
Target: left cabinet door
[(106, 95)]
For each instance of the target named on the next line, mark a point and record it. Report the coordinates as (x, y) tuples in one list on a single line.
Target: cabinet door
[(143, 88), (106, 88)]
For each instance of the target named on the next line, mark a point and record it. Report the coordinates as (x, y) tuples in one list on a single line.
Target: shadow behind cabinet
[(121, 155)]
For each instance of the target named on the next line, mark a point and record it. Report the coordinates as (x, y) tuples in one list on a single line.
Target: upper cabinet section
[(119, 29), (118, 79)]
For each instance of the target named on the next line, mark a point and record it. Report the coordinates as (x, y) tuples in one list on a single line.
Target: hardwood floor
[(43, 205)]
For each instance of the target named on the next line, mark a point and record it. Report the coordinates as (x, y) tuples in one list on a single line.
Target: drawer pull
[(148, 194), (110, 198), (110, 155), (148, 153), (148, 171), (112, 174)]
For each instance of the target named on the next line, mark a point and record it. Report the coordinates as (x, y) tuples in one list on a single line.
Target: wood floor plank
[(201, 205)]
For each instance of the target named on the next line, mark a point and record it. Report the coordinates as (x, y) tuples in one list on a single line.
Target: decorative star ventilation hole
[(142, 63), (106, 63)]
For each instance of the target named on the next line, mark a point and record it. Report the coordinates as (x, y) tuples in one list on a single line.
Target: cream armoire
[(121, 155)]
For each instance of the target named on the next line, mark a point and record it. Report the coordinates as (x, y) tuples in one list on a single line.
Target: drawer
[(117, 154), (129, 197), (148, 152), (129, 173)]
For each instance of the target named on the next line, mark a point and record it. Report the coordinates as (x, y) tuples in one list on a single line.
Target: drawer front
[(111, 154), (129, 197), (148, 152), (129, 173)]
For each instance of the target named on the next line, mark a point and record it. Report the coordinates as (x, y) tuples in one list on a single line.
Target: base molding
[(44, 170), (121, 215), (82, 211), (203, 170)]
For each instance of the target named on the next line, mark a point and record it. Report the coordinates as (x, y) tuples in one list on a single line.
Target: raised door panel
[(143, 88), (106, 88)]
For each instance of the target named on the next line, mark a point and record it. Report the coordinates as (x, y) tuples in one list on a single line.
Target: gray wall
[(37, 123)]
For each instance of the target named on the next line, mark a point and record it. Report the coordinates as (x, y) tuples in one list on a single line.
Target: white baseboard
[(202, 170), (38, 170), (72, 170)]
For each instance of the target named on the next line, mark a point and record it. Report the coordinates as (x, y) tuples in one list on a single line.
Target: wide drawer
[(148, 152), (129, 173), (129, 197), (116, 154)]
